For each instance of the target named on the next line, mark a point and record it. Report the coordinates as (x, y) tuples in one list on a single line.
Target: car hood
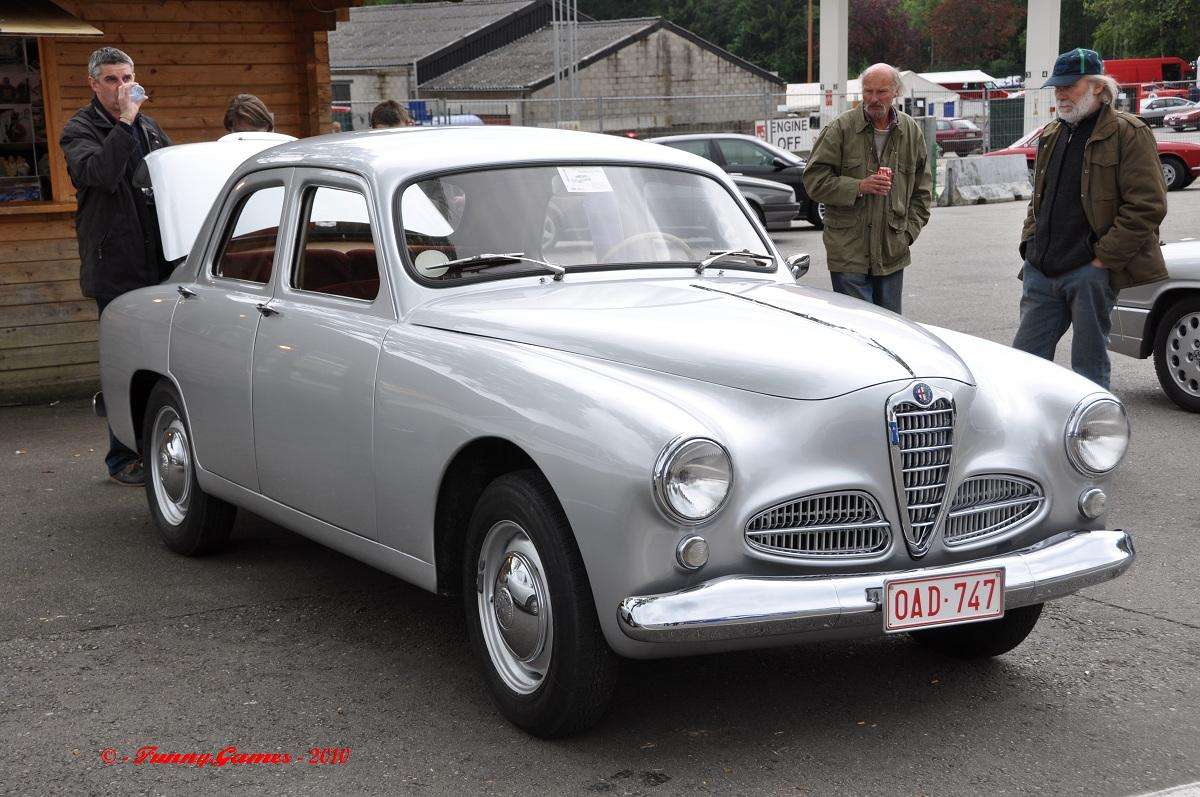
[(766, 337)]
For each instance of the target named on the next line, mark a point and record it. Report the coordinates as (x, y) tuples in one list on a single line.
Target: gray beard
[(1083, 109)]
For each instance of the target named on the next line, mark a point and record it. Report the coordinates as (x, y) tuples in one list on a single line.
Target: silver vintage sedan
[(638, 437)]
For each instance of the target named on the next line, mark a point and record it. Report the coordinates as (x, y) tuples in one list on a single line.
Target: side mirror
[(779, 163), (798, 265)]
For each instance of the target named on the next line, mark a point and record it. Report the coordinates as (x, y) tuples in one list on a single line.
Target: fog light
[(692, 553), (1092, 502)]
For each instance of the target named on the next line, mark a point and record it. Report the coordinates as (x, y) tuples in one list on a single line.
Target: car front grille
[(986, 506), (837, 524), (922, 439)]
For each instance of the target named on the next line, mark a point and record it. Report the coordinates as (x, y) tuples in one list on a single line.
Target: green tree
[(1145, 28)]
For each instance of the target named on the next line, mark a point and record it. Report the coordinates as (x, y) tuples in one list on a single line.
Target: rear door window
[(336, 251)]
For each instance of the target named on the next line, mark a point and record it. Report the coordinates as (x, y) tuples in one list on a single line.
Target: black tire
[(203, 523), (1179, 129), (1175, 172), (816, 214), (580, 670), (1171, 364), (982, 640)]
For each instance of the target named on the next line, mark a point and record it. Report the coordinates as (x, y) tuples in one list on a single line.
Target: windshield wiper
[(721, 254), (488, 259)]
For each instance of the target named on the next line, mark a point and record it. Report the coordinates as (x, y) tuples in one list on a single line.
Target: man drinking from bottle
[(115, 224)]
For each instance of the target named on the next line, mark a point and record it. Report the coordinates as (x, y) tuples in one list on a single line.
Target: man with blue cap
[(1092, 227)]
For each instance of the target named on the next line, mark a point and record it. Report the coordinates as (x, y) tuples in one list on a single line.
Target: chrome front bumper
[(741, 607)]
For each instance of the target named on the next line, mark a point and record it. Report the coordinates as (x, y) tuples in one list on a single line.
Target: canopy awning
[(42, 18)]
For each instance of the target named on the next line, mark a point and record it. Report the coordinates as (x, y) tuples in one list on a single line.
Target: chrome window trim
[(918, 543), (1038, 498)]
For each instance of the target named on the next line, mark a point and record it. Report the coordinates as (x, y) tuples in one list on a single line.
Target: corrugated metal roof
[(397, 35), (530, 59)]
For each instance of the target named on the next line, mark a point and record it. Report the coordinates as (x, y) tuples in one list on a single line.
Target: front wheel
[(1175, 172), (190, 521), (530, 615), (982, 640), (1177, 353), (816, 214)]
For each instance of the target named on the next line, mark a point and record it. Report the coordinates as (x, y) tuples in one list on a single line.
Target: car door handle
[(185, 292), (266, 309)]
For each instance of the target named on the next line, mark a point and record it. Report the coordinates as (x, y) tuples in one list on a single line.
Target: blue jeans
[(119, 455), (1082, 298), (885, 292)]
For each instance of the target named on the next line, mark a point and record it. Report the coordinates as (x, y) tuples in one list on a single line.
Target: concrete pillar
[(1041, 48), (835, 54)]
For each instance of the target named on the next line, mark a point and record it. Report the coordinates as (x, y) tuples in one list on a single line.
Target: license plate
[(911, 603)]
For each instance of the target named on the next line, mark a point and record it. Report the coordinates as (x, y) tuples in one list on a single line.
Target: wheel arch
[(472, 468), (1161, 303), (141, 383)]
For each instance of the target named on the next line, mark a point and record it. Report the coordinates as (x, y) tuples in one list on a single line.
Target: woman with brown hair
[(247, 113)]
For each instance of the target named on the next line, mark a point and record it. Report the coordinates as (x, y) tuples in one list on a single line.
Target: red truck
[(1163, 77)]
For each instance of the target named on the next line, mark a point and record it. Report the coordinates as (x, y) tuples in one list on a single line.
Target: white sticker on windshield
[(585, 179)]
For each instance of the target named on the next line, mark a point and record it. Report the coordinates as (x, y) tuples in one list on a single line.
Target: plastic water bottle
[(137, 93)]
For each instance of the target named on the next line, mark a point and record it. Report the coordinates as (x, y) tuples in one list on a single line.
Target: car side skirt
[(399, 564)]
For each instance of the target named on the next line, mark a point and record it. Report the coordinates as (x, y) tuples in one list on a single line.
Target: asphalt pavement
[(110, 645)]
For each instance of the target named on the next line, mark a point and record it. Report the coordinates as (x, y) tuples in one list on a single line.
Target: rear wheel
[(1177, 353), (190, 521), (1175, 172), (982, 640), (530, 614)]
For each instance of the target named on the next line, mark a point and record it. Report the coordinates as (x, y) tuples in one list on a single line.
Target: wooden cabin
[(192, 56)]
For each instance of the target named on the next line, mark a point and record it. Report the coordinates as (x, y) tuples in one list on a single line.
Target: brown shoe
[(132, 475)]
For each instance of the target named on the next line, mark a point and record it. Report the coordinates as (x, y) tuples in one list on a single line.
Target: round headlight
[(692, 479), (1097, 435)]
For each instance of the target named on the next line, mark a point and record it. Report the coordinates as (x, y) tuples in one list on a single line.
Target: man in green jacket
[(871, 169), (1092, 225)]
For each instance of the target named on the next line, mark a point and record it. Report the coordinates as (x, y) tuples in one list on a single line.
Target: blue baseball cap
[(1074, 64)]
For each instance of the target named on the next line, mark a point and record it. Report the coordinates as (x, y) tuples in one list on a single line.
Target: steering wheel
[(665, 237)]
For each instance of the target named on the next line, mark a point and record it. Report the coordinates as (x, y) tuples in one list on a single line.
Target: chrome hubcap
[(514, 607), (171, 469), (1183, 353), (1168, 171)]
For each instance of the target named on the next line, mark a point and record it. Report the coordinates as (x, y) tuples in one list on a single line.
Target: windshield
[(578, 217)]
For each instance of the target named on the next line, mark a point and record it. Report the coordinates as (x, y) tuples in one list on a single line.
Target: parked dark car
[(773, 202), (960, 136), (753, 157)]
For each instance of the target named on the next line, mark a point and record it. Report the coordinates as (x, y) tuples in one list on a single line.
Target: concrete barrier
[(975, 180)]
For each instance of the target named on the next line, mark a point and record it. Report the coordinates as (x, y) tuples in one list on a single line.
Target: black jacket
[(115, 223)]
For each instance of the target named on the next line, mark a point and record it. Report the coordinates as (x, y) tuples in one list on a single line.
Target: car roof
[(703, 137), (397, 153)]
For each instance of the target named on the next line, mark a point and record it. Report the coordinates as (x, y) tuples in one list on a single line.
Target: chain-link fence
[(969, 122)]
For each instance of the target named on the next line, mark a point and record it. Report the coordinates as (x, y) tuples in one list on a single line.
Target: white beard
[(1082, 109)]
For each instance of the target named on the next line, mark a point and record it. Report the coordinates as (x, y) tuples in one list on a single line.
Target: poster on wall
[(16, 124)]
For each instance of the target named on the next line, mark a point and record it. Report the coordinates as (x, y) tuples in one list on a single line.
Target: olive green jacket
[(870, 234), (1125, 196)]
